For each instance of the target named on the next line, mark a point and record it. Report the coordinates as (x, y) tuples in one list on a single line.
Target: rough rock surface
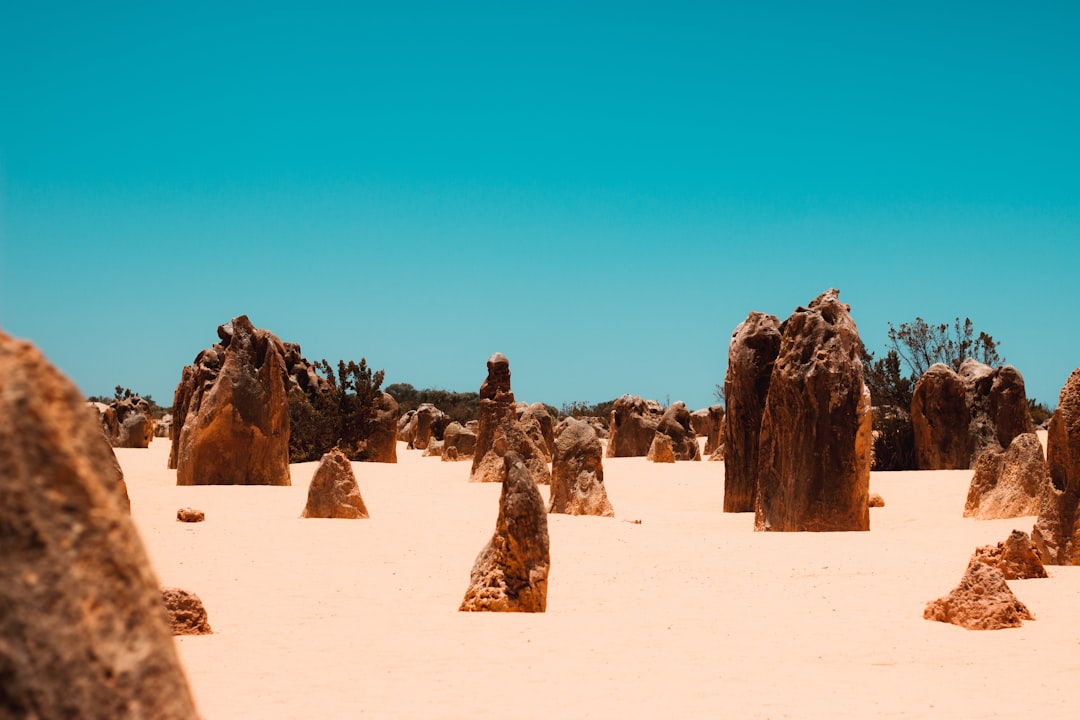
[(875, 500), (982, 601), (714, 439), (1016, 557), (510, 573), (998, 406), (675, 423), (236, 429), (134, 423), (381, 443), (1008, 483), (163, 427), (82, 632), (333, 492), (814, 459), (540, 415), (499, 431), (406, 426), (187, 615), (424, 421), (662, 450), (577, 471), (190, 515), (632, 426), (752, 352), (940, 419), (459, 442), (1057, 530)]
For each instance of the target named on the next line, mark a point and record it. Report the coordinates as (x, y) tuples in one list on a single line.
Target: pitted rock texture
[(577, 471), (1057, 530), (675, 423), (333, 492), (1008, 483), (982, 601), (187, 614), (1016, 558), (632, 426)]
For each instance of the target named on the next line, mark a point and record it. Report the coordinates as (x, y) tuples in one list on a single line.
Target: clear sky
[(601, 191)]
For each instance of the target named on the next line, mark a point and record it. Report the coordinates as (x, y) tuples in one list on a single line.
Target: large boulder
[(752, 352), (675, 423), (940, 420), (236, 428), (632, 426), (333, 492), (997, 404), (814, 456), (1016, 558), (1057, 529), (459, 442), (82, 629), (1008, 483), (134, 423), (500, 432), (577, 471), (426, 421), (661, 450), (982, 601), (546, 425), (510, 573), (381, 443)]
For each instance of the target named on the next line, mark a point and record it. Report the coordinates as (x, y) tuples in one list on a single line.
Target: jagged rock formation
[(163, 427), (661, 450), (510, 574), (1057, 530), (675, 423), (1016, 558), (499, 431), (538, 413), (1008, 483), (632, 426), (187, 614), (236, 423), (381, 443), (982, 601), (714, 438), (755, 343), (459, 442), (427, 423), (127, 422), (814, 455), (577, 472), (82, 632), (333, 492)]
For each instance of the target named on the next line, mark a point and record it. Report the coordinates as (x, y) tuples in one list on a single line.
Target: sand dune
[(689, 614)]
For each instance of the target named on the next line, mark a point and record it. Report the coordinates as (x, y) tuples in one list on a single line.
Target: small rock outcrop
[(381, 443), (333, 492), (540, 415), (163, 427), (1057, 529), (190, 515), (632, 426), (577, 471), (662, 450), (427, 423), (1008, 483), (940, 420), (814, 456), (459, 442), (675, 423), (134, 423), (187, 615), (82, 632), (714, 438), (876, 501), (500, 432), (510, 573), (982, 601), (236, 427), (1016, 557), (752, 352)]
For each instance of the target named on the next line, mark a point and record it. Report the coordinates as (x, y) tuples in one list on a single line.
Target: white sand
[(690, 614)]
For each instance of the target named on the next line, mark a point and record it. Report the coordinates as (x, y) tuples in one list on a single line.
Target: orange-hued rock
[(940, 420), (187, 614), (1057, 529), (459, 442), (127, 422), (236, 428), (1016, 557), (577, 471), (381, 443), (816, 439), (714, 438), (876, 501), (333, 492), (190, 515), (662, 450), (675, 423), (982, 601), (510, 573), (82, 632), (1008, 483), (752, 353), (632, 426), (499, 430)]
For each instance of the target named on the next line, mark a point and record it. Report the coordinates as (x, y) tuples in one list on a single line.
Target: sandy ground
[(689, 614)]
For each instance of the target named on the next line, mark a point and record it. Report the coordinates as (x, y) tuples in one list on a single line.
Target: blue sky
[(600, 193)]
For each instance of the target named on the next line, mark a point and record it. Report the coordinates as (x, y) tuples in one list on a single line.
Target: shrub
[(340, 415)]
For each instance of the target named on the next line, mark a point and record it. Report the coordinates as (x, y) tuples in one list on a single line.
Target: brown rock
[(459, 439), (714, 438), (577, 472), (814, 459), (424, 423), (998, 406), (1057, 530), (940, 420), (701, 422), (163, 427), (236, 431), (406, 427), (82, 632), (500, 432), (876, 500), (187, 616), (632, 426), (755, 343), (540, 415), (662, 450), (982, 601), (434, 448), (381, 443), (1016, 558), (1008, 483), (510, 573), (717, 454), (333, 492), (675, 423), (496, 405), (190, 515)]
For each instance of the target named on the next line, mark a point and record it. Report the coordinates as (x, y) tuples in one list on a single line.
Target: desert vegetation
[(339, 413)]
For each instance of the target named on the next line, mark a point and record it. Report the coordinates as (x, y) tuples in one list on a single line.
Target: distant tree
[(920, 345), (718, 393), (460, 406), (1039, 412), (122, 393), (580, 408)]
